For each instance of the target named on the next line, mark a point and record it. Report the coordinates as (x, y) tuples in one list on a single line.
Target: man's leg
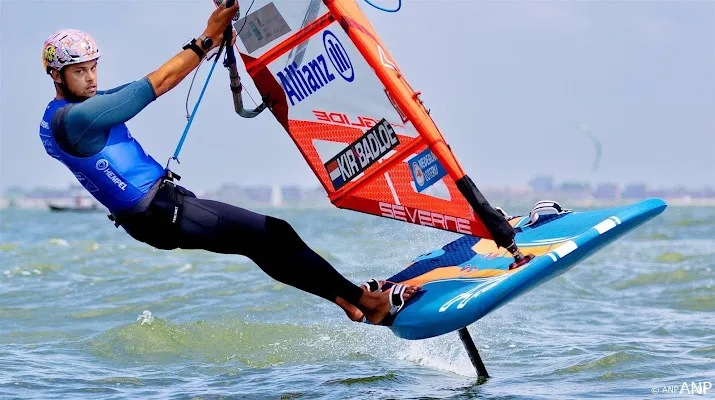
[(278, 250), (270, 242)]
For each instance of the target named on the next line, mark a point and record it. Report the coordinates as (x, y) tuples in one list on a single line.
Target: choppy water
[(86, 312)]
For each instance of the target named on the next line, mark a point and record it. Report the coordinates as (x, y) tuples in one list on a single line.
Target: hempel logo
[(103, 165)]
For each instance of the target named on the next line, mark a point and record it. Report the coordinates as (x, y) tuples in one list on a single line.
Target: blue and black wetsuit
[(92, 140)]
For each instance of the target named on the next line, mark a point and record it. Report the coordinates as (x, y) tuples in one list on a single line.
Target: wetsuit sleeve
[(86, 124), (110, 91)]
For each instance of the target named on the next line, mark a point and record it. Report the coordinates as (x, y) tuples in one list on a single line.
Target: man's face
[(81, 79)]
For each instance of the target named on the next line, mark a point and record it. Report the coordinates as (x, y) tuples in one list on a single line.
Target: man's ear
[(56, 76)]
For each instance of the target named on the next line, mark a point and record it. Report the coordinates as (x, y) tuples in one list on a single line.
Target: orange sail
[(333, 85)]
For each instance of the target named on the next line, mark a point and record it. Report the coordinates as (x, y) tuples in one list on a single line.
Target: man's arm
[(113, 90), (87, 122), (84, 126), (175, 70)]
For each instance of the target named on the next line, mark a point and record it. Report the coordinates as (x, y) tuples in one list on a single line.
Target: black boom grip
[(227, 34)]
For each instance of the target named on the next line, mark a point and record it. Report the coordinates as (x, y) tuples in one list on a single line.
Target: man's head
[(70, 58)]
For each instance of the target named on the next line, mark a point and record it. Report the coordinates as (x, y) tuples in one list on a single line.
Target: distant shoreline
[(504, 202)]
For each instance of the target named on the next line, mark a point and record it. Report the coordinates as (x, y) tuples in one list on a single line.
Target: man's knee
[(281, 233)]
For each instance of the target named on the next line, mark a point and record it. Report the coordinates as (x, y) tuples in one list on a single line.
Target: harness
[(165, 184)]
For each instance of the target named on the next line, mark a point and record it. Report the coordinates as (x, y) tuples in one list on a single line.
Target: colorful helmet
[(66, 47)]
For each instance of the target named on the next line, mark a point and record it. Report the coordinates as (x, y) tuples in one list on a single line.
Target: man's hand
[(175, 70), (218, 21)]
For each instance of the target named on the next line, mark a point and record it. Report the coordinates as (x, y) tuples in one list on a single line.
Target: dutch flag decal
[(335, 175)]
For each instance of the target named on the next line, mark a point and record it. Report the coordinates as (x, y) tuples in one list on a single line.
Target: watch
[(193, 46), (206, 42)]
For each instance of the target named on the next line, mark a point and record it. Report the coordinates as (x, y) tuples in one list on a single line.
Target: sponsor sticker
[(362, 153), (426, 169)]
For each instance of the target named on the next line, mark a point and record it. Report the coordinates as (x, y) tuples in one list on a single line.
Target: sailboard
[(328, 79), (470, 277)]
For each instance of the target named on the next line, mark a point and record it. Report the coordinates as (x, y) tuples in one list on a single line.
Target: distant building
[(661, 193), (635, 191), (15, 191), (574, 190), (607, 191), (573, 186), (258, 194), (47, 193), (681, 191), (229, 192), (542, 183), (291, 194), (315, 195)]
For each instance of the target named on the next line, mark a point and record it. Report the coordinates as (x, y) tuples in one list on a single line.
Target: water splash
[(59, 242), (146, 318)]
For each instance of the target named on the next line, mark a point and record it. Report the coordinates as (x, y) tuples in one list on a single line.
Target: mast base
[(520, 259)]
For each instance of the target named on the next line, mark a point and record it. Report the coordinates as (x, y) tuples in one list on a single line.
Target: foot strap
[(372, 285), (545, 207), (396, 300)]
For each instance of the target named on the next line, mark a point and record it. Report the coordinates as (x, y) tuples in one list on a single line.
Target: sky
[(507, 83)]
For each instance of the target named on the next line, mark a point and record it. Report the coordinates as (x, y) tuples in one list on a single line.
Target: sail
[(333, 85)]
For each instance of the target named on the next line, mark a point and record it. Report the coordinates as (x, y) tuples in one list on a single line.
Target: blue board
[(470, 277)]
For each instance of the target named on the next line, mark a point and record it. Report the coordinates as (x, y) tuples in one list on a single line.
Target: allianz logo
[(300, 83)]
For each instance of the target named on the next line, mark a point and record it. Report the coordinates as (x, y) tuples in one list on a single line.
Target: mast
[(358, 28)]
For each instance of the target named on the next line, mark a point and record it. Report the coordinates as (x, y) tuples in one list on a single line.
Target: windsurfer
[(85, 130)]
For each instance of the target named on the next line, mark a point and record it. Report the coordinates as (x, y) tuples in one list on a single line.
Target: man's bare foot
[(350, 310), (376, 306)]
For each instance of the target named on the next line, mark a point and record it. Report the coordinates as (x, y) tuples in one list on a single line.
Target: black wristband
[(193, 46)]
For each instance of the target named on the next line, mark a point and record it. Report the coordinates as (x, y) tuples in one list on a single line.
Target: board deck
[(469, 277)]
